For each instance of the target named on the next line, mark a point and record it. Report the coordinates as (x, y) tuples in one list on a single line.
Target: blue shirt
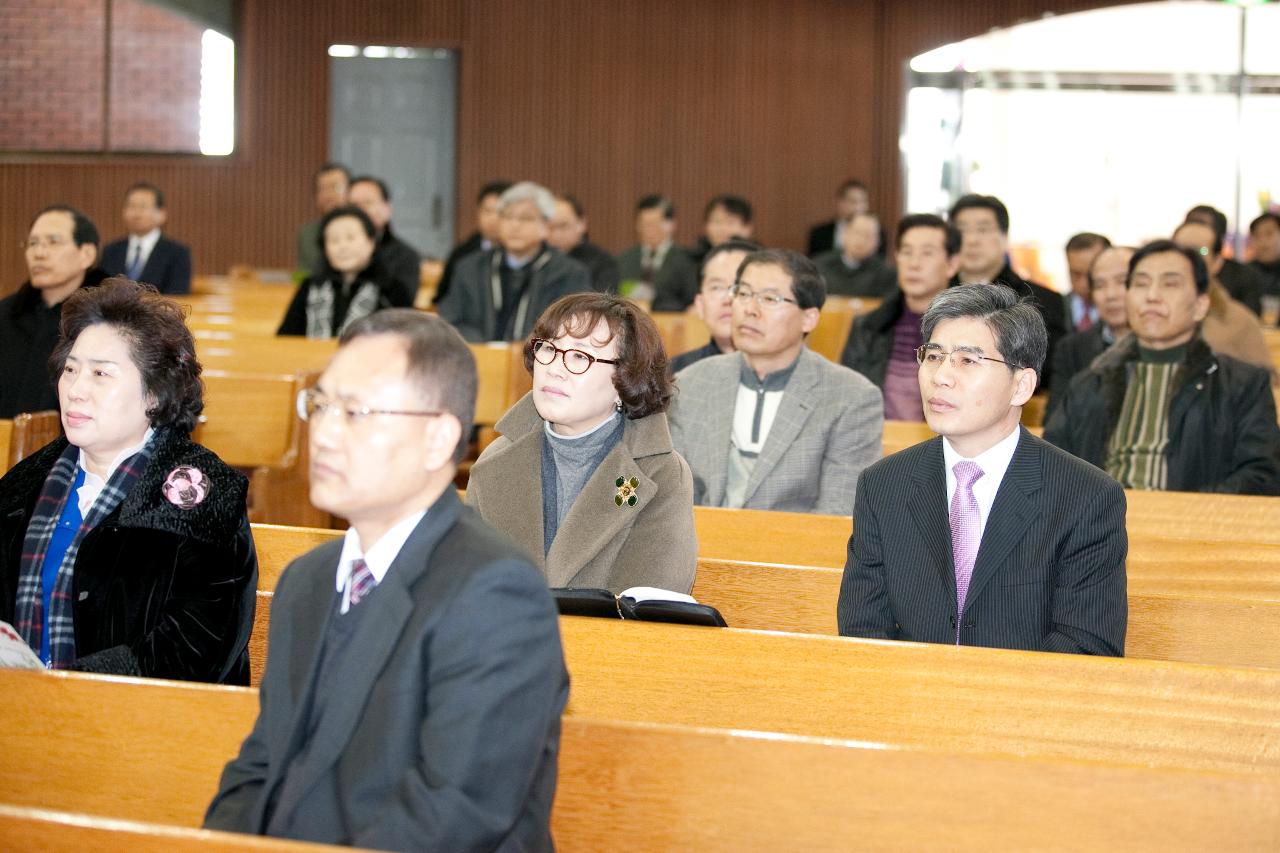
[(63, 535)]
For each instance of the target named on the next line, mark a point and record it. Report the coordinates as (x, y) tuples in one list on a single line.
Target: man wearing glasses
[(62, 252), (986, 535), (413, 692), (498, 294), (774, 425), (714, 302)]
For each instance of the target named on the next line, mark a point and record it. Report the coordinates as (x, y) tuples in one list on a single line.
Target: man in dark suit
[(852, 198), (413, 692), (1107, 295), (986, 535), (665, 269), (398, 258), (485, 236), (1264, 239), (329, 187), (146, 255), (983, 222), (568, 233), (1245, 284)]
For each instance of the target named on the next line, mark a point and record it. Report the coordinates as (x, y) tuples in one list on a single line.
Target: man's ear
[(441, 436), (809, 319), (1202, 307), (88, 255), (1025, 387)]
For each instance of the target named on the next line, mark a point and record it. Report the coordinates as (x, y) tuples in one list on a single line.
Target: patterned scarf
[(320, 299), (54, 495)]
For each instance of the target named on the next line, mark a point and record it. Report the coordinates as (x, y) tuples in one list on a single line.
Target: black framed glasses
[(964, 360), (312, 404), (575, 360)]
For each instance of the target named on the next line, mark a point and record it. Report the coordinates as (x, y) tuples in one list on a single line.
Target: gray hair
[(529, 191), (1016, 324)]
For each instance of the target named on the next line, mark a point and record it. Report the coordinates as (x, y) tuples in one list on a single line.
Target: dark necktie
[(135, 264), (362, 582)]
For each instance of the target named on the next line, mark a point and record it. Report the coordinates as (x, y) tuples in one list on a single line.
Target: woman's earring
[(617, 405)]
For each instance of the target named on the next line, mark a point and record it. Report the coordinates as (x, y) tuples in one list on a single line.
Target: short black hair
[(973, 201), (1199, 270), (733, 244), (807, 284), (148, 187), (1015, 322), (1086, 240), (331, 166), (734, 205), (1215, 246), (572, 201), (440, 362), (950, 234), (492, 188), (1207, 214), (1269, 216), (657, 202), (82, 228), (852, 183), (378, 182), (338, 213)]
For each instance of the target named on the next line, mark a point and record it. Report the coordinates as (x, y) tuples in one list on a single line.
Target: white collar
[(90, 477), (993, 461), (146, 241), (378, 558)]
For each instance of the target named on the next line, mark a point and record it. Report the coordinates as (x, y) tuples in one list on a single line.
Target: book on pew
[(642, 603), (14, 651)]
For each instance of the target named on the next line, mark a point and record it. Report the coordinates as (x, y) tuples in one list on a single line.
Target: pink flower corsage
[(185, 487)]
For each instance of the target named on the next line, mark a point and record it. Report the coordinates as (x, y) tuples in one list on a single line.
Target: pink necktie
[(362, 582), (966, 532)]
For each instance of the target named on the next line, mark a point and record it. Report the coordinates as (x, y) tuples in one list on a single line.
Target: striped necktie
[(966, 532), (362, 582)]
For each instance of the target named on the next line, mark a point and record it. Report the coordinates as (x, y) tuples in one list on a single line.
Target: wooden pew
[(121, 748), (6, 436), (249, 417), (72, 832)]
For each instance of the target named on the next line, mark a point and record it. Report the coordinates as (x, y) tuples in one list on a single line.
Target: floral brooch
[(185, 487), (626, 491)]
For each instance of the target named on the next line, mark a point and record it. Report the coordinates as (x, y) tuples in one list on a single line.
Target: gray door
[(392, 113)]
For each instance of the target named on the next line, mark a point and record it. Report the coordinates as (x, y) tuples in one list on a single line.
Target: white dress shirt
[(93, 484), (146, 243), (379, 558), (993, 461)]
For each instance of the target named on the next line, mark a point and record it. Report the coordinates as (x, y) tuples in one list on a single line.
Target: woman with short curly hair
[(124, 547), (584, 475)]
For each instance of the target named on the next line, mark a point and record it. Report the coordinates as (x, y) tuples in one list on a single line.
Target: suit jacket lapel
[(927, 504), (595, 518), (793, 411), (1012, 514), (373, 642), (719, 430), (517, 501)]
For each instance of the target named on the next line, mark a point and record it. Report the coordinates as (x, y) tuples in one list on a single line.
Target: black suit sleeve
[(179, 280), (1256, 450), (1089, 606), (497, 689), (863, 609)]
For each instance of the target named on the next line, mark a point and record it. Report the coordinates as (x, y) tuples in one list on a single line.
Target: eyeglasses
[(767, 301), (54, 242), (575, 360), (965, 361), (311, 404), (521, 218)]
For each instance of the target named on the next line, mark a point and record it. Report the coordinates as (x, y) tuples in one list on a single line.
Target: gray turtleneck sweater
[(567, 465)]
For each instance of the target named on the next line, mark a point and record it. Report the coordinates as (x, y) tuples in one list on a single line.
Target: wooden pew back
[(121, 749)]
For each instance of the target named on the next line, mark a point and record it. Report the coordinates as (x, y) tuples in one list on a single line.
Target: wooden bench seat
[(121, 749)]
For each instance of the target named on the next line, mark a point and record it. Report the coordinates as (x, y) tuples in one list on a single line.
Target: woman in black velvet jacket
[(155, 566)]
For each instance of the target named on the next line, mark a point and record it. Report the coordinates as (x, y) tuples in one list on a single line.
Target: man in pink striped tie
[(986, 535)]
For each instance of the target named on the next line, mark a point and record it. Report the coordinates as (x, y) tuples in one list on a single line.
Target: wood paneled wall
[(778, 100)]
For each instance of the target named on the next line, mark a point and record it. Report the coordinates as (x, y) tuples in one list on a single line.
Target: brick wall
[(53, 73), (155, 79)]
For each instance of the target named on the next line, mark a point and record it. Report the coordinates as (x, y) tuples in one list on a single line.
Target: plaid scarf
[(53, 498)]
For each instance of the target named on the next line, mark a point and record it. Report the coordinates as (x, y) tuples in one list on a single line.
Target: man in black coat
[(397, 258), (986, 535), (852, 198), (61, 250), (665, 269), (499, 294), (485, 236), (983, 222), (146, 255), (1161, 410), (568, 233)]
